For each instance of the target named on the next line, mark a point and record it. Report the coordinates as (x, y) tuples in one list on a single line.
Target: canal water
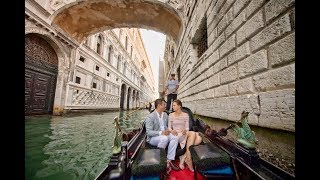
[(74, 146), (79, 146)]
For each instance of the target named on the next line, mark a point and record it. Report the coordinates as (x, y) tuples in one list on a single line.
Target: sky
[(154, 43)]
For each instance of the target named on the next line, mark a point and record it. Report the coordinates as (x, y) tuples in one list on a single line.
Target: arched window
[(118, 62), (131, 51), (110, 53), (124, 68), (126, 43), (172, 52), (99, 45)]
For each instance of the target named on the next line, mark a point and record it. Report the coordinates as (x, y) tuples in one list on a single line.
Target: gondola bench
[(149, 164), (211, 161)]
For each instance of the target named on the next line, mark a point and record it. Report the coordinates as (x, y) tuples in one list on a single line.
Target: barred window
[(203, 44), (200, 39)]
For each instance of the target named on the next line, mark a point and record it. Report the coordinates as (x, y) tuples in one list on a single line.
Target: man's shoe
[(173, 166)]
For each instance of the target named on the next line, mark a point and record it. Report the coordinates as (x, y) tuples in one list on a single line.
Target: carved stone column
[(64, 76)]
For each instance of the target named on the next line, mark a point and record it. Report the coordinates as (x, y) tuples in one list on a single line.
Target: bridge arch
[(81, 19)]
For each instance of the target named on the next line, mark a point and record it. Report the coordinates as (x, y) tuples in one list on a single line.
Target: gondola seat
[(211, 161), (149, 164)]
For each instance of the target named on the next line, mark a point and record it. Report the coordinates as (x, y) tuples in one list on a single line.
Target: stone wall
[(249, 64)]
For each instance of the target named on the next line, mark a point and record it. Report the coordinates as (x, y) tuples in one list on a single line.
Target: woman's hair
[(178, 102)]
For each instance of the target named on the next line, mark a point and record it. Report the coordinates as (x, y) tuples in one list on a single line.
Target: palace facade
[(108, 70)]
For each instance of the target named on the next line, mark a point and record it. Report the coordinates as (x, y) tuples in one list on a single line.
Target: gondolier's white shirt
[(160, 122)]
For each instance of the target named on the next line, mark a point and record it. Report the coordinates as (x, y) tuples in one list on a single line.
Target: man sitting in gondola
[(158, 133)]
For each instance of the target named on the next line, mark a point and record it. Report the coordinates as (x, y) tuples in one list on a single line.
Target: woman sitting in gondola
[(179, 126)]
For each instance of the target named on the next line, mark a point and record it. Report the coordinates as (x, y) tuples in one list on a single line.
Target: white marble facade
[(92, 73)]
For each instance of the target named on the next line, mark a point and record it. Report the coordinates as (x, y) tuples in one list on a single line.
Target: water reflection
[(73, 147)]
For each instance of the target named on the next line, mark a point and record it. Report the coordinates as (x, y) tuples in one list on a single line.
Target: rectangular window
[(108, 74), (81, 59), (78, 79), (94, 85), (97, 68)]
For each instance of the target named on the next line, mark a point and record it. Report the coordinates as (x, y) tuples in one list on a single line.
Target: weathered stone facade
[(248, 62), (230, 55), (107, 70)]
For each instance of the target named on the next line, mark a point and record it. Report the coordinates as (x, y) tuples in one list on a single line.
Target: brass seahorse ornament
[(246, 136), (116, 147)]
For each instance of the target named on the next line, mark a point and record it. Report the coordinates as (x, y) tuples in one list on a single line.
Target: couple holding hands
[(163, 130)]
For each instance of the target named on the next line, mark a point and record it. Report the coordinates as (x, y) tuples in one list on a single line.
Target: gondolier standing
[(171, 91)]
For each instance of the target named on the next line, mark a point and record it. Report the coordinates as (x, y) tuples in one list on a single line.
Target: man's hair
[(158, 101)]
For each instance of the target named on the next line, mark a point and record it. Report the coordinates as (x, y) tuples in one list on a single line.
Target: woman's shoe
[(173, 166), (189, 164), (181, 163)]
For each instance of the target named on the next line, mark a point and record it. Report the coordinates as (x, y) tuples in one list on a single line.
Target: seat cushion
[(149, 162), (209, 156), (223, 170), (147, 177)]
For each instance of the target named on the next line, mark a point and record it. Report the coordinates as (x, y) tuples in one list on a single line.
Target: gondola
[(215, 158)]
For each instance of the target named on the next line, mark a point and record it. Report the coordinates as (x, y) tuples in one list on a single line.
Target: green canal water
[(73, 146), (79, 146)]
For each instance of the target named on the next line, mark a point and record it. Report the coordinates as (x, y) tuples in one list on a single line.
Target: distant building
[(107, 70), (161, 79)]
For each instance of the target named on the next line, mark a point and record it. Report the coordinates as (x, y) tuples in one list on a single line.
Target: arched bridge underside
[(83, 18)]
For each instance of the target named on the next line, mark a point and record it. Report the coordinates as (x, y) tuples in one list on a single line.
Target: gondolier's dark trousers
[(170, 97)]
